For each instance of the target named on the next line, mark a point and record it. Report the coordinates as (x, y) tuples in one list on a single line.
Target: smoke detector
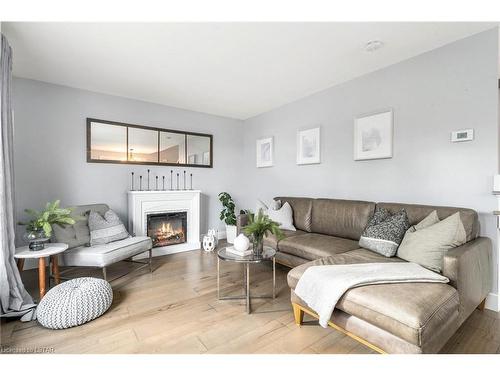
[(373, 45)]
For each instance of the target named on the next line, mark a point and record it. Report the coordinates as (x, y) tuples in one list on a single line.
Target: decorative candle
[(163, 182), (177, 181), (132, 181), (191, 184), (156, 182), (148, 179), (184, 180), (171, 179), (140, 183)]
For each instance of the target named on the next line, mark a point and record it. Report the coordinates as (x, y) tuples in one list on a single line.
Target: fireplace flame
[(167, 233)]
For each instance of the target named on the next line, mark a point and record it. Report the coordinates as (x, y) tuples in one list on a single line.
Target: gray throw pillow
[(384, 232), (106, 229), (428, 245), (427, 221)]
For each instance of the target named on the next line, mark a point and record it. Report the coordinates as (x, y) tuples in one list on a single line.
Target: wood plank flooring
[(175, 310)]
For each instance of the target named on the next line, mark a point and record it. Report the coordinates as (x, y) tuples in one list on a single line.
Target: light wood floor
[(175, 310)]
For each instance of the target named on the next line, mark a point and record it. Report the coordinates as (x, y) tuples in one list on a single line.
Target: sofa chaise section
[(416, 313)]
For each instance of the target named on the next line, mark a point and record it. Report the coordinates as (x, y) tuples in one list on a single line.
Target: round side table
[(268, 255), (51, 250)]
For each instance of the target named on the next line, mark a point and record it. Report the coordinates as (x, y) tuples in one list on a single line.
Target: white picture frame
[(309, 146), (373, 135), (264, 152)]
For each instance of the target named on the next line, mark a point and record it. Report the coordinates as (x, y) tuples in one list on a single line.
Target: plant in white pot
[(228, 216)]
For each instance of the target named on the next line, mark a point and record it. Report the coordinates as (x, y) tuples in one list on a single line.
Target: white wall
[(454, 87), (50, 149)]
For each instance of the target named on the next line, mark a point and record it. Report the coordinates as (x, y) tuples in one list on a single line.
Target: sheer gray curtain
[(14, 300)]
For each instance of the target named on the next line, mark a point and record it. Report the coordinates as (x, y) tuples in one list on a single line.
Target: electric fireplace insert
[(168, 228)]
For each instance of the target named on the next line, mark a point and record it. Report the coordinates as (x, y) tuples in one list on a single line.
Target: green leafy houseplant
[(52, 214), (261, 225), (227, 214)]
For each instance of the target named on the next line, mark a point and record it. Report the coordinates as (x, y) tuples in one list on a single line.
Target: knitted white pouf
[(74, 303)]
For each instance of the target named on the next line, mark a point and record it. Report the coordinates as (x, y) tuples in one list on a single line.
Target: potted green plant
[(258, 226), (228, 216), (39, 228)]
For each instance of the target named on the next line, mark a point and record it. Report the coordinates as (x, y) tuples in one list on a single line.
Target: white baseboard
[(492, 302), (173, 249)]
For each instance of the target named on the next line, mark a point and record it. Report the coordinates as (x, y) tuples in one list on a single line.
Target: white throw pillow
[(273, 205), (283, 216)]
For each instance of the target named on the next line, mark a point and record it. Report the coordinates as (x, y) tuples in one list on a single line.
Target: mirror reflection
[(108, 142), (198, 149), (172, 148), (142, 145)]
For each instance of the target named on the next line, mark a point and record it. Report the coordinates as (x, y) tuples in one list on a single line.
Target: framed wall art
[(373, 135), (308, 146), (264, 152)]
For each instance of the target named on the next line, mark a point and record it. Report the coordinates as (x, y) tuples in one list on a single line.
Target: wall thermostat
[(462, 135)]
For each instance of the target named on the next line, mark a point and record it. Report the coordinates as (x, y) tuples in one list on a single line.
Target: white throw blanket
[(321, 287)]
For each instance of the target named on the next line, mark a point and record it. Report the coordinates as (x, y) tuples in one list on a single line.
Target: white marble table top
[(50, 249)]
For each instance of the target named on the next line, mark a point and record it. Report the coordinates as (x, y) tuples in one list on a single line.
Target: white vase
[(230, 233), (241, 243)]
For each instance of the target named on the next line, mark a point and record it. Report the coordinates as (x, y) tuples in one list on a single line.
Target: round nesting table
[(51, 250), (267, 255)]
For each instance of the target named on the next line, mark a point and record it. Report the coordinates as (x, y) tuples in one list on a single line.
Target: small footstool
[(74, 302)]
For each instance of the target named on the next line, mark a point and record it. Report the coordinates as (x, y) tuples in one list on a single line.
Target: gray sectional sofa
[(390, 318)]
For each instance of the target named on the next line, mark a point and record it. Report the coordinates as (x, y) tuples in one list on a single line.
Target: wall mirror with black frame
[(116, 142)]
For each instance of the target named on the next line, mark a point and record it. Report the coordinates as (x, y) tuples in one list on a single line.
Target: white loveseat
[(80, 254)]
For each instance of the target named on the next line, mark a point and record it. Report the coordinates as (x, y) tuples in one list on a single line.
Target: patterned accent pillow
[(384, 232), (106, 229)]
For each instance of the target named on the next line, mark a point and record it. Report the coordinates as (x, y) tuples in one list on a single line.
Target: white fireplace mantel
[(142, 203)]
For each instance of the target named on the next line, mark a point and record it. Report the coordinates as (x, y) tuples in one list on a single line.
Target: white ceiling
[(237, 70)]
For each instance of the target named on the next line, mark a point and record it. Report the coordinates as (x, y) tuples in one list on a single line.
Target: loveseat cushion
[(106, 254), (313, 245), (411, 311)]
